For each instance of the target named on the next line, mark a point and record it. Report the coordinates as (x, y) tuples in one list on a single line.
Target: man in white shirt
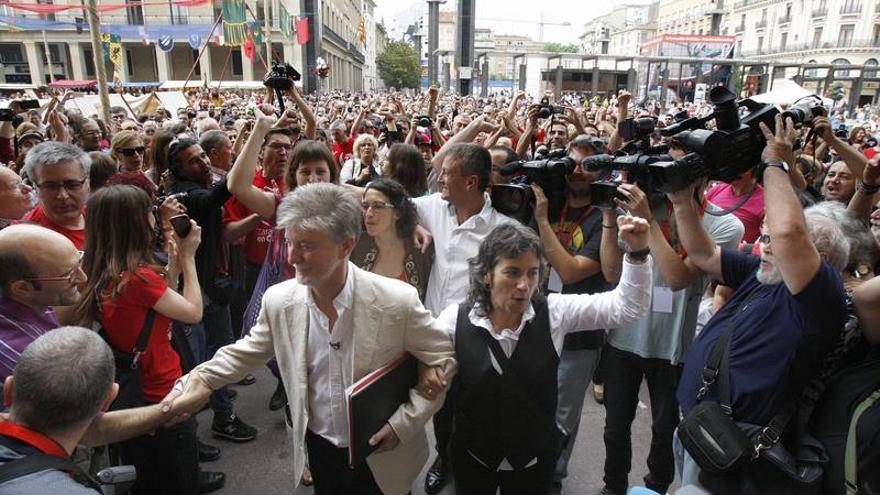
[(328, 328), (459, 217)]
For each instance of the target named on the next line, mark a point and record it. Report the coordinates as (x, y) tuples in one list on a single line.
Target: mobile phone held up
[(181, 225)]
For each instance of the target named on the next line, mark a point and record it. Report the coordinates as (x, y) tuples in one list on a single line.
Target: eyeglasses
[(68, 185), (69, 277), (140, 150), (764, 239), (280, 146), (376, 205)]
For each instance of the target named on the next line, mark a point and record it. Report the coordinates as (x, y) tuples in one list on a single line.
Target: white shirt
[(330, 369), (454, 244), (627, 303), (353, 167)]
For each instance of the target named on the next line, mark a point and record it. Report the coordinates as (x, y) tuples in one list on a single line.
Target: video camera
[(545, 109), (424, 121), (281, 78), (733, 148), (547, 170)]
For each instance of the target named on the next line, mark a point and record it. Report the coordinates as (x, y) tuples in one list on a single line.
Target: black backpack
[(846, 420)]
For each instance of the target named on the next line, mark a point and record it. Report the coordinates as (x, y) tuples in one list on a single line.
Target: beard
[(769, 277)]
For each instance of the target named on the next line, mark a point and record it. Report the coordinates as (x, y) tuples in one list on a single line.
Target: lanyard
[(33, 438), (567, 238)]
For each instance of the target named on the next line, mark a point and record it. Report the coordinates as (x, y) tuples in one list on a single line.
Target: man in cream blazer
[(367, 320)]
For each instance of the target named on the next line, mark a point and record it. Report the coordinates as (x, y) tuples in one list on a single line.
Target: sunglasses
[(140, 150)]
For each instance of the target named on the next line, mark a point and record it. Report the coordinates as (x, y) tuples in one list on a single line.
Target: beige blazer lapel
[(367, 318)]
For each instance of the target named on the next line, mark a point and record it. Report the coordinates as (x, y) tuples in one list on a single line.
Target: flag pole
[(100, 67), (196, 61)]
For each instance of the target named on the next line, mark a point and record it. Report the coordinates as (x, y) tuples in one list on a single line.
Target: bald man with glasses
[(39, 269)]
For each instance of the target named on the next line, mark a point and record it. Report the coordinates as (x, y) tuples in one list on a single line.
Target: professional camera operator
[(582, 257), (653, 348), (787, 309)]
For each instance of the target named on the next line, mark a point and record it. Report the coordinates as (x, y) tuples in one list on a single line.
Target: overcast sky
[(398, 14)]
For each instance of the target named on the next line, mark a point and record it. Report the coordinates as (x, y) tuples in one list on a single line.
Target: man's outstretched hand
[(187, 396)]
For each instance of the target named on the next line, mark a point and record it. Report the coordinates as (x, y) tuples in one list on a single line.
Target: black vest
[(512, 415)]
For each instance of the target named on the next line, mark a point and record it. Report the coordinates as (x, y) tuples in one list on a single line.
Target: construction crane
[(540, 22)]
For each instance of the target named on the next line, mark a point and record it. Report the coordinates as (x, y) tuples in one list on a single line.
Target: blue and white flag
[(166, 43)]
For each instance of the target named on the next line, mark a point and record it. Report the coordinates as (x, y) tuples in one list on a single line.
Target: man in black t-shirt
[(580, 258)]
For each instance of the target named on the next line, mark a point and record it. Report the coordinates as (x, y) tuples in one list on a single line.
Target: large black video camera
[(546, 110), (733, 148), (547, 170), (281, 78)]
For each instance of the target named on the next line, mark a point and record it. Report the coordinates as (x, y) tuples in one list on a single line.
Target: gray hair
[(829, 238), (338, 125), (61, 380), (51, 153), (505, 241), (862, 247), (211, 140), (322, 207)]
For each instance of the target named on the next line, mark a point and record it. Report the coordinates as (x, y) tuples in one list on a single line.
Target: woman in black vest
[(507, 342)]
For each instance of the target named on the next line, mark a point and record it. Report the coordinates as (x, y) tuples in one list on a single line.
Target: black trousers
[(330, 471), (443, 427), (473, 478), (166, 462), (623, 378)]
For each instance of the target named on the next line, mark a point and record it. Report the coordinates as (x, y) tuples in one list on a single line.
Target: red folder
[(373, 399)]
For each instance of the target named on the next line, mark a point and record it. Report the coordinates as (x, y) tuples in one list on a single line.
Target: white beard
[(769, 277)]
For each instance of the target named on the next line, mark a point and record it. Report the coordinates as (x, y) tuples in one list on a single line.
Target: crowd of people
[(150, 261)]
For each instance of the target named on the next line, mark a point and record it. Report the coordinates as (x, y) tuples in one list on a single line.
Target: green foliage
[(560, 48), (399, 65)]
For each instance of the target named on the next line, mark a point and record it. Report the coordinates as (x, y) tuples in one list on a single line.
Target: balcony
[(820, 12), (851, 8), (739, 29), (761, 24), (786, 19)]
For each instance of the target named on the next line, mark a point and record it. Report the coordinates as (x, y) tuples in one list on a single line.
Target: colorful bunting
[(54, 9), (166, 43), (234, 22), (248, 49), (195, 41)]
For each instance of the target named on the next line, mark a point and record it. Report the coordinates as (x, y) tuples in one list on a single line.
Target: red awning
[(70, 83)]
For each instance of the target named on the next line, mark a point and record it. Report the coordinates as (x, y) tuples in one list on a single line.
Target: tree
[(399, 65), (560, 48)]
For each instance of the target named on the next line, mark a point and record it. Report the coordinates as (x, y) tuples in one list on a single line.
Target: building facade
[(685, 17), (23, 53)]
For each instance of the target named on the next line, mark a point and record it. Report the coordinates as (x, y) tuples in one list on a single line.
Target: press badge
[(661, 302)]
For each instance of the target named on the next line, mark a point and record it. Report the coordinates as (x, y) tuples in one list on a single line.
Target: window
[(46, 17), (760, 43), (875, 39), (89, 61), (811, 72), (130, 65), (840, 61), (845, 38), (817, 37), (10, 53), (870, 73), (783, 41), (237, 69), (135, 15), (179, 14), (764, 15)]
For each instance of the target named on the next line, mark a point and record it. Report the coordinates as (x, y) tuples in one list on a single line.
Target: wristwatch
[(638, 256), (780, 164)]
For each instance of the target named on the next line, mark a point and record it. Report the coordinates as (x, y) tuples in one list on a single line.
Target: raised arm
[(306, 110), (610, 254), (467, 135), (855, 159), (241, 176), (615, 142), (866, 298), (701, 249), (793, 249), (866, 191)]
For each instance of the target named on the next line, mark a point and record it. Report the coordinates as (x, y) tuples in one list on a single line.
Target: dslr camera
[(424, 121)]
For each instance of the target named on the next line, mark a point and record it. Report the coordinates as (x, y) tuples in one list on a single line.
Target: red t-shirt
[(256, 241), (38, 216), (123, 320), (343, 152)]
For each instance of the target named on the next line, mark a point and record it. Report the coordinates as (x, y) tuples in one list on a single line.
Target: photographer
[(581, 246), (652, 349), (788, 306)]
